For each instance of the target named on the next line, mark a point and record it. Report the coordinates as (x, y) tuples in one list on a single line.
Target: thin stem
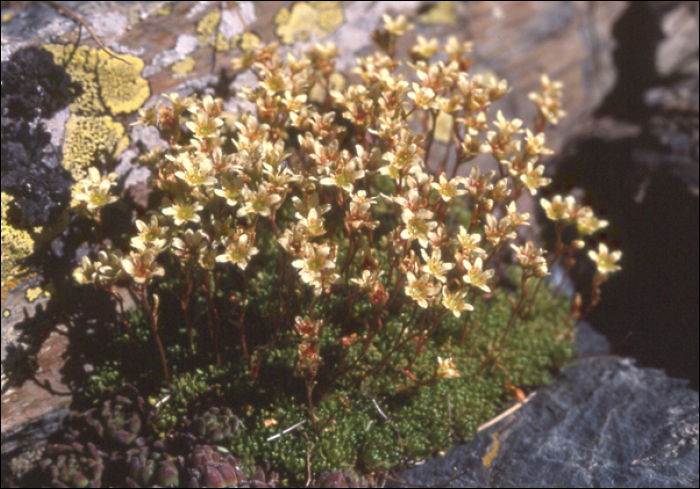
[(309, 398), (75, 16), (153, 318), (211, 309), (525, 291), (184, 304)]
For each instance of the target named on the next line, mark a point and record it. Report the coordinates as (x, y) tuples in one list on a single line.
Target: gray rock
[(603, 423)]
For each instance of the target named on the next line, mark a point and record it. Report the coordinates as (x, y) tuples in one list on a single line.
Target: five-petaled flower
[(446, 369), (434, 265), (420, 290), (238, 251), (417, 225), (454, 301), (605, 261), (475, 276), (183, 211)]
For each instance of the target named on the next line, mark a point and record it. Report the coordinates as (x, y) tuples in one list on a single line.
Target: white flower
[(454, 302), (476, 276), (416, 225), (605, 261), (420, 290), (434, 265), (446, 369), (239, 252)]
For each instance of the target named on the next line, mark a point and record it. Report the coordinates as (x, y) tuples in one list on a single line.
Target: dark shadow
[(645, 183)]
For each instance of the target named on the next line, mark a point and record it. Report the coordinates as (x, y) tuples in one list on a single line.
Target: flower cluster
[(333, 187), (92, 193)]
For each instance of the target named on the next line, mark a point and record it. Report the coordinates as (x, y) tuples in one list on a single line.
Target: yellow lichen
[(89, 137), (325, 5), (183, 67), (33, 293), (17, 244), (442, 13), (7, 16), (165, 9), (330, 19), (6, 313), (488, 458), (108, 84), (206, 28), (81, 65), (306, 18), (121, 86), (208, 35), (248, 41)]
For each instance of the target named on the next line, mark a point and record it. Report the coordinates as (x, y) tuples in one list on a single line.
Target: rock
[(603, 422), (33, 411), (636, 159)]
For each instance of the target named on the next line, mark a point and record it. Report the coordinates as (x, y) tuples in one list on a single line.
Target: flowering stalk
[(524, 291), (153, 319)]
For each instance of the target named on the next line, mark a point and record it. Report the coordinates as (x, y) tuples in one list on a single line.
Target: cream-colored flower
[(422, 96), (93, 191), (420, 290), (344, 177), (312, 223), (195, 174), (468, 243), (498, 231), (446, 369), (368, 279), (477, 277), (191, 245), (455, 48), (454, 301), (534, 144), (231, 190), (448, 188), (260, 202), (151, 236), (424, 49), (204, 126), (434, 265), (183, 212), (587, 222), (516, 218), (142, 267), (88, 272), (417, 225), (549, 100), (500, 190), (110, 268), (560, 210), (396, 27), (533, 179), (238, 251), (605, 261), (477, 184), (531, 259), (317, 259), (360, 203)]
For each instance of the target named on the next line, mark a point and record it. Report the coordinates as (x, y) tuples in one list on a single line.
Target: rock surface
[(637, 160)]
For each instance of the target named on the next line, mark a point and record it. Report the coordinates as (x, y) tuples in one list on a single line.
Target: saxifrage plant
[(307, 269)]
